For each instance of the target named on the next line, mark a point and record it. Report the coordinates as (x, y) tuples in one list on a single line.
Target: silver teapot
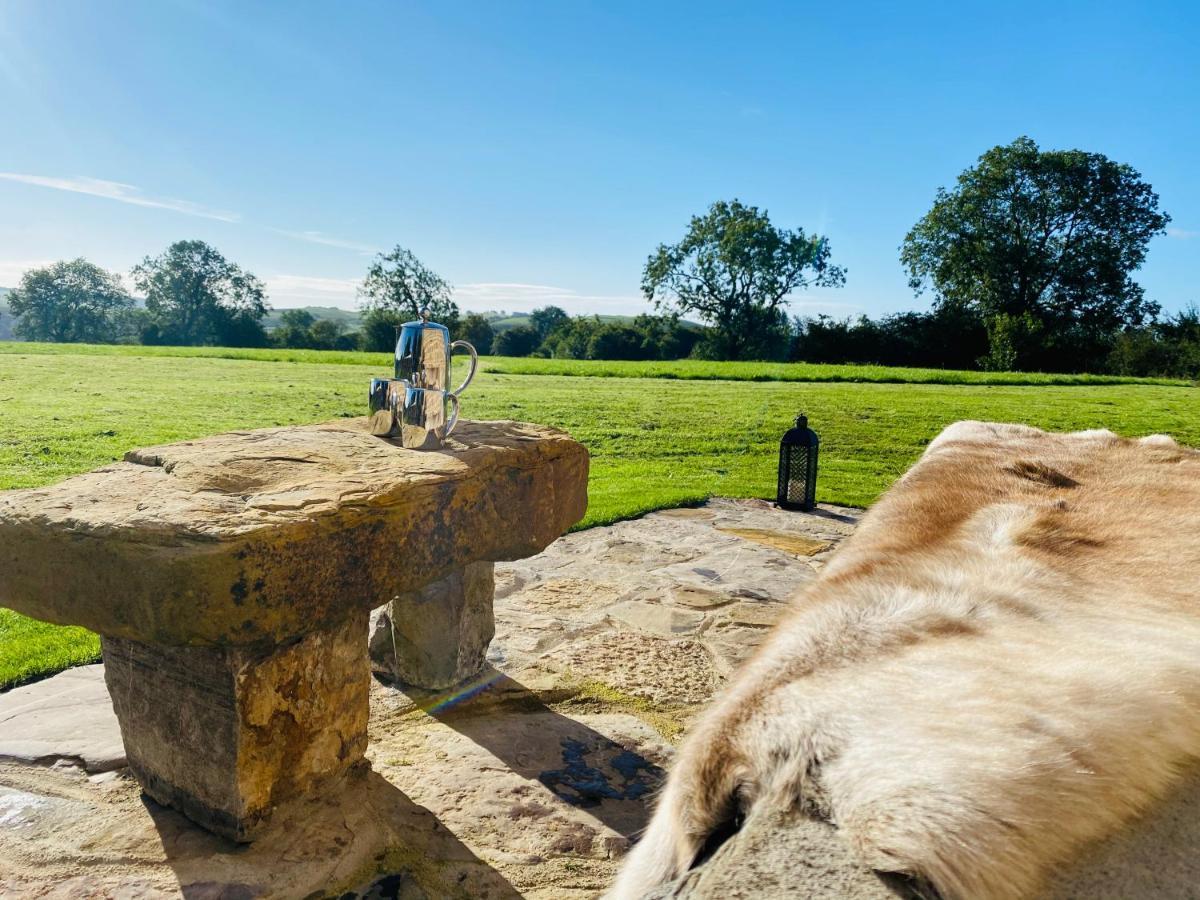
[(418, 405), (423, 351)]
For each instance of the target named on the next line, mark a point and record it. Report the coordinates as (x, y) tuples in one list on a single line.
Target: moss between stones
[(669, 722), (569, 695)]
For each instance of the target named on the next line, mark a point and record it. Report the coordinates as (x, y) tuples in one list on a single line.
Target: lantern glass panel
[(798, 467)]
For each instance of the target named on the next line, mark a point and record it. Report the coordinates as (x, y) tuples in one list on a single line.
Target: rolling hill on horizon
[(349, 319)]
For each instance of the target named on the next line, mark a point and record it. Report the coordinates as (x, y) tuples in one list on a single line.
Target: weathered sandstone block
[(224, 735), (438, 636), (231, 577), (263, 536)]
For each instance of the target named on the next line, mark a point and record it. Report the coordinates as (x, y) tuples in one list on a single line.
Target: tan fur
[(1001, 665)]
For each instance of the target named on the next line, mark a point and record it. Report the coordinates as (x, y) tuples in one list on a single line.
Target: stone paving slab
[(664, 606), (65, 719)]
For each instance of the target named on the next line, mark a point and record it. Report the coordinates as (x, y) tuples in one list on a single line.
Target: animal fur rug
[(1000, 666)]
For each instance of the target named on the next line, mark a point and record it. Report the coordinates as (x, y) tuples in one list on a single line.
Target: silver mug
[(422, 418)]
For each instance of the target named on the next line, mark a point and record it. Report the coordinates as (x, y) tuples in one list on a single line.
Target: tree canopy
[(300, 328), (70, 301), (196, 296), (477, 331), (546, 319), (519, 341), (734, 270), (1040, 244), (399, 282)]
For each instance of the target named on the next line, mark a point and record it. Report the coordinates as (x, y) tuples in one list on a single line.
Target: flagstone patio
[(530, 780)]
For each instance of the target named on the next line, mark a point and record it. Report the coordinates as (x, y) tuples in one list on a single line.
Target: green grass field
[(655, 441), (699, 370), (678, 370)]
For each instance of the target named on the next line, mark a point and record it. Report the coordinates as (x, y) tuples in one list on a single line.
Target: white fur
[(972, 705)]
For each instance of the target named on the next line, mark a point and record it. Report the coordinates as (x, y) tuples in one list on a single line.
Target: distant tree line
[(193, 296), (943, 338), (1028, 260), (554, 334), (1166, 346)]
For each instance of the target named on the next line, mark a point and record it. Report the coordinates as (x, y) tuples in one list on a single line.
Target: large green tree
[(477, 331), (1041, 245), (735, 270), (521, 340), (399, 282), (546, 319), (196, 296), (397, 287), (73, 301), (295, 329)]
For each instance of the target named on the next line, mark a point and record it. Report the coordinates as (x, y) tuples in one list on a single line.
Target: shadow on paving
[(375, 828), (830, 514), (579, 765)]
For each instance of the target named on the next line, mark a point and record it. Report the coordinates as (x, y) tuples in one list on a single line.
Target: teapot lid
[(423, 322)]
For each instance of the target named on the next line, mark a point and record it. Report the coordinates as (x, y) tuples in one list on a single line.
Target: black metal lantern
[(798, 467)]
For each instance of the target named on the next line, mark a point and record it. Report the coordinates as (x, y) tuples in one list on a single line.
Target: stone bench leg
[(437, 637), (224, 734)]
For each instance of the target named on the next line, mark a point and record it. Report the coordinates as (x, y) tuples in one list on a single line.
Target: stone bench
[(231, 578)]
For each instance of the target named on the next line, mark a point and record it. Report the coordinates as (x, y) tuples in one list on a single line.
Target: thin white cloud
[(11, 271), (1182, 233), (122, 193), (287, 290), (520, 297), (317, 237), (304, 290)]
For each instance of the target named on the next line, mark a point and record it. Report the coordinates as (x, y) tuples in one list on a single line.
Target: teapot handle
[(471, 372), (453, 398)]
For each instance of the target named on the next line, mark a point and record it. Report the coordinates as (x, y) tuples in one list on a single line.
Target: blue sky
[(537, 152)]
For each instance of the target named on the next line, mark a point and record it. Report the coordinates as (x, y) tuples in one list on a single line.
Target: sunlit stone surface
[(231, 578), (530, 781)]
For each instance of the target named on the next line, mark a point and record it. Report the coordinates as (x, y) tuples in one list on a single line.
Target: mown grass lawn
[(29, 648), (685, 369), (701, 370), (654, 441)]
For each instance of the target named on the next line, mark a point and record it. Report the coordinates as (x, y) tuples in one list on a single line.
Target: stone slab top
[(262, 536)]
